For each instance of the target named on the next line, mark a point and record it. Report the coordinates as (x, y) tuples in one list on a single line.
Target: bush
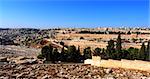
[(97, 51), (40, 56), (81, 38), (87, 53)]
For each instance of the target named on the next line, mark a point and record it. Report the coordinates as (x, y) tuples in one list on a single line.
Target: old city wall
[(123, 63)]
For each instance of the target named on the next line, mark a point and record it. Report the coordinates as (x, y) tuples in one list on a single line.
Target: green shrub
[(40, 56)]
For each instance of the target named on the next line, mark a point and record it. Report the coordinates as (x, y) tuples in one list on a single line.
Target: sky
[(74, 13)]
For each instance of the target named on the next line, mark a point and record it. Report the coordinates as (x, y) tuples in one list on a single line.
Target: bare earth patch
[(13, 51)]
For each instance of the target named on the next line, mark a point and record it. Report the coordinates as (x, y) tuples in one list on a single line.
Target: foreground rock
[(3, 59), (79, 71)]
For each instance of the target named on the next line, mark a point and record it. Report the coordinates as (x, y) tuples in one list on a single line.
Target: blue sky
[(73, 13)]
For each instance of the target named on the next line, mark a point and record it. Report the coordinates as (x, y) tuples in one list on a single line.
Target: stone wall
[(123, 63)]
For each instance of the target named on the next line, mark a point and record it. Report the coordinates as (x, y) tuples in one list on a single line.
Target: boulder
[(3, 59)]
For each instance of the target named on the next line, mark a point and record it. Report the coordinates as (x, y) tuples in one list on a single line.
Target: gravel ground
[(68, 71)]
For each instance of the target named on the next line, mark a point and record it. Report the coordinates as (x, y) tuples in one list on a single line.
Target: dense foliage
[(70, 55)]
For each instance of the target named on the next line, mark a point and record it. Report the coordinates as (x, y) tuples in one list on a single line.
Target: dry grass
[(94, 44)]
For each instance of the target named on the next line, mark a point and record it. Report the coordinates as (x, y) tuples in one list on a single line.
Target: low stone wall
[(123, 63)]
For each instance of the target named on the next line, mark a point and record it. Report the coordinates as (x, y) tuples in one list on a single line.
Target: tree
[(50, 55), (104, 54), (118, 44), (55, 54), (47, 52), (129, 32), (87, 53), (71, 53), (148, 51), (97, 51), (110, 49), (142, 52), (79, 57), (117, 54), (78, 50), (62, 55)]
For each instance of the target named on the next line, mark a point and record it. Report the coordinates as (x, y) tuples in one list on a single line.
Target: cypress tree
[(148, 51), (118, 53), (50, 56), (110, 49), (78, 55), (47, 52), (55, 54), (142, 52), (62, 55), (78, 50), (71, 53), (104, 54), (118, 44)]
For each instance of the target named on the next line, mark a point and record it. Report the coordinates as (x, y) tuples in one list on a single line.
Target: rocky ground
[(15, 51), (68, 71)]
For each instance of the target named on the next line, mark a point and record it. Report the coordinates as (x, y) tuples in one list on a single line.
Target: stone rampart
[(123, 63)]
